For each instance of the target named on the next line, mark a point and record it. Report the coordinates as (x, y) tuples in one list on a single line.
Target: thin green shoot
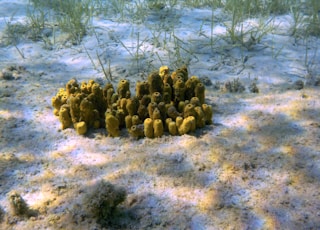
[(89, 56), (108, 76)]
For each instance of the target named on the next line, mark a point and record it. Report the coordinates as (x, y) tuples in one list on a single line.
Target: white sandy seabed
[(256, 167)]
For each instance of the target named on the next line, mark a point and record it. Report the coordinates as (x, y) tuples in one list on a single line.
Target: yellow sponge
[(158, 128), (81, 127), (112, 125), (148, 127)]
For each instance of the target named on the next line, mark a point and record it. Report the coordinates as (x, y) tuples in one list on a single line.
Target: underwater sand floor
[(256, 167)]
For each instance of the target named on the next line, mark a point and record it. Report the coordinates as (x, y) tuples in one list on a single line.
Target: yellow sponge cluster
[(166, 102)]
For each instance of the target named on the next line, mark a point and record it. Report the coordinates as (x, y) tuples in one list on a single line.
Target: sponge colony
[(163, 96)]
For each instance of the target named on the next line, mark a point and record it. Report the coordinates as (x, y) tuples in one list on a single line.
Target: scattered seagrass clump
[(234, 86), (101, 200), (165, 102)]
